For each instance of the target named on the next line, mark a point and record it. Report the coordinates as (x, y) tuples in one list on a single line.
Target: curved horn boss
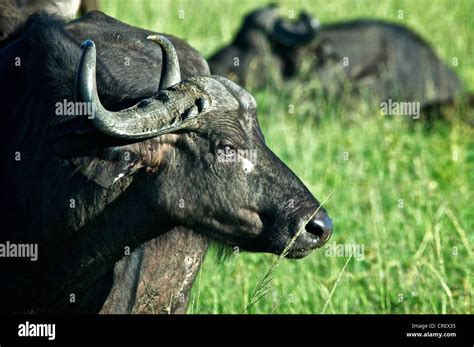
[(167, 111), (295, 33)]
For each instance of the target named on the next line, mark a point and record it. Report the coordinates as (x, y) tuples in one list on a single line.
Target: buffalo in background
[(380, 59), (254, 55)]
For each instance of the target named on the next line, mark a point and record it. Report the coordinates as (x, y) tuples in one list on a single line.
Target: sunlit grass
[(402, 191)]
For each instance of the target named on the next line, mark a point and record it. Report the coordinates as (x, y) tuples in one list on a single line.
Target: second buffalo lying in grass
[(373, 57)]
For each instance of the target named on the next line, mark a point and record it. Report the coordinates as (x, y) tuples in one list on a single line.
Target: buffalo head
[(265, 39), (200, 158)]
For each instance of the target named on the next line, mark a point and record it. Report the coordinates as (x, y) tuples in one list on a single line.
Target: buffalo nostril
[(315, 227), (320, 226)]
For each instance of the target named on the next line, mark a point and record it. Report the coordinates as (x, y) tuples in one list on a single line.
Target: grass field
[(401, 190)]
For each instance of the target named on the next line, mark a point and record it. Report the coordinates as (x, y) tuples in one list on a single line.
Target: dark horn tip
[(161, 40), (87, 44), (156, 38)]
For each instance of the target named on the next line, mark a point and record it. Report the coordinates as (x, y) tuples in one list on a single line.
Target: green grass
[(418, 257)]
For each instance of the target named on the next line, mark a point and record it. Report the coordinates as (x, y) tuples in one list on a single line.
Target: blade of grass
[(460, 230), (264, 285), (335, 285)]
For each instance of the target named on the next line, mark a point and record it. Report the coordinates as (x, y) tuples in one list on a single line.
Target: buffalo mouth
[(301, 252), (298, 253)]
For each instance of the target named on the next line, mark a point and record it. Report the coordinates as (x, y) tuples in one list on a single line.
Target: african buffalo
[(138, 284), (248, 58), (112, 149), (383, 59)]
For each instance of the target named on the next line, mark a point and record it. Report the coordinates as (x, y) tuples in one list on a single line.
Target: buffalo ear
[(108, 165), (99, 158)]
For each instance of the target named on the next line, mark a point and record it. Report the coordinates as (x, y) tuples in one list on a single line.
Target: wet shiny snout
[(320, 228)]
